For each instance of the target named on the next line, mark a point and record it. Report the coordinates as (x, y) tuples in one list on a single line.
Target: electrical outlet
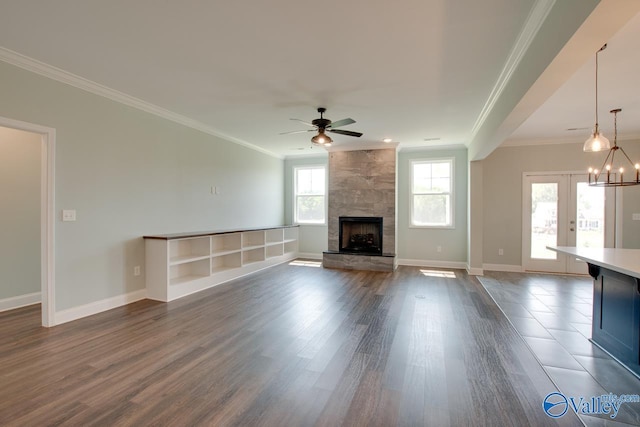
[(500, 251), (69, 215), (439, 249), (136, 270)]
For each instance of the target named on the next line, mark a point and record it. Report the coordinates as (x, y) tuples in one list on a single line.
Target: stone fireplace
[(362, 210)]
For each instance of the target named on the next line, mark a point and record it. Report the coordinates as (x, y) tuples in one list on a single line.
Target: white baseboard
[(19, 301), (503, 267), (433, 263), (474, 271), (309, 255), (96, 307)]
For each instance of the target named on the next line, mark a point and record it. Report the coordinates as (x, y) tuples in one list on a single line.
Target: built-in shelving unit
[(180, 264)]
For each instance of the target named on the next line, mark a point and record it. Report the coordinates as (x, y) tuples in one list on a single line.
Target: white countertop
[(625, 261)]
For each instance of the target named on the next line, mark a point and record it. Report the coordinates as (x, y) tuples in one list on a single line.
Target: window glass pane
[(431, 209), (590, 216), (544, 220), (440, 185), (317, 181), (310, 181), (310, 208), (441, 170), (303, 181), (421, 177)]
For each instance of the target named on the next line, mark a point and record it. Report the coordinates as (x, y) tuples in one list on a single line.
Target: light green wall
[(313, 239), (129, 173), (20, 214), (502, 173), (421, 243)]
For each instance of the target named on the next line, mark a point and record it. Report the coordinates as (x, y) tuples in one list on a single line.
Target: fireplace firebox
[(361, 235)]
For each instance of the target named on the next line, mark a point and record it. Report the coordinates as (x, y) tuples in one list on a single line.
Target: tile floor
[(553, 315)]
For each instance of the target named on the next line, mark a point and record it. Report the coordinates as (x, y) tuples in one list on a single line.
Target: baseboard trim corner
[(474, 271)]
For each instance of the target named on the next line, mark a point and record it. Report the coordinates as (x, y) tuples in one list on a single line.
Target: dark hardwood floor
[(289, 346)]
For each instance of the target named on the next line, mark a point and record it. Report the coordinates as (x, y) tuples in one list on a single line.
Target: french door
[(563, 210)]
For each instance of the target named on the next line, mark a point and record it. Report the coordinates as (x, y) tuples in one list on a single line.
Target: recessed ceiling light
[(387, 140), (432, 139), (572, 129)]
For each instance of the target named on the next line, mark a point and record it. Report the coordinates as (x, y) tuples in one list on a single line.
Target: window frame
[(295, 195), (451, 193)]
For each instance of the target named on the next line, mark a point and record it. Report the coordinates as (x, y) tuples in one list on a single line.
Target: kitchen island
[(616, 300)]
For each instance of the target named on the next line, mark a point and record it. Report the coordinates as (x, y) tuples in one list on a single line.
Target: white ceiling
[(569, 114), (409, 70)]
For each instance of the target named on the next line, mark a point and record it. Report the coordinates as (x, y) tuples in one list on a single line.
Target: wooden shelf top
[(186, 235)]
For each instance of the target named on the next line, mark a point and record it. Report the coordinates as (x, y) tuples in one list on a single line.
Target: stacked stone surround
[(362, 183)]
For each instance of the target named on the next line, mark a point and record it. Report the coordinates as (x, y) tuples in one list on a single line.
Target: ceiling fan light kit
[(322, 126)]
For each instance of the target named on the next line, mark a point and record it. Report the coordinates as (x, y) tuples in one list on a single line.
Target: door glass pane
[(589, 216), (544, 219)]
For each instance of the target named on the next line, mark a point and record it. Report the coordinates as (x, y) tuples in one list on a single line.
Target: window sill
[(434, 227)]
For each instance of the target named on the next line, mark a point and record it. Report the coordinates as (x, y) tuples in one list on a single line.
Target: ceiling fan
[(322, 126)]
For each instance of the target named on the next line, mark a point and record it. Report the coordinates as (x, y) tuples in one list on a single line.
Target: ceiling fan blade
[(302, 121), (342, 122), (297, 131), (345, 132)]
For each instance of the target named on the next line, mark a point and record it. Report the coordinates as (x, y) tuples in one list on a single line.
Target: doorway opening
[(47, 213)]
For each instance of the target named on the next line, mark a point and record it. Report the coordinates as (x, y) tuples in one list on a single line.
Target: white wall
[(129, 173), (313, 239), (420, 244), (20, 213), (502, 173)]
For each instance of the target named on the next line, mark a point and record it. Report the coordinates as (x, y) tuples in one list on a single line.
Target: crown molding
[(558, 141), (54, 73), (416, 148), (536, 18)]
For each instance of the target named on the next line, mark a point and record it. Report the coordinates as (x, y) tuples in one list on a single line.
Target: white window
[(309, 195), (432, 193)]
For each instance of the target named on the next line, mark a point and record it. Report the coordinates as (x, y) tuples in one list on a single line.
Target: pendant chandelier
[(609, 166), (598, 142)]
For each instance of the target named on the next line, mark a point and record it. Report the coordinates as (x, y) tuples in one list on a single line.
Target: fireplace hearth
[(360, 235)]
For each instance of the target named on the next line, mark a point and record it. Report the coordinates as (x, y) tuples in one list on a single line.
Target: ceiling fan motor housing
[(321, 123)]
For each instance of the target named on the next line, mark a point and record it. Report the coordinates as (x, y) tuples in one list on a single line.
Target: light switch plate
[(69, 215), (635, 216)]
